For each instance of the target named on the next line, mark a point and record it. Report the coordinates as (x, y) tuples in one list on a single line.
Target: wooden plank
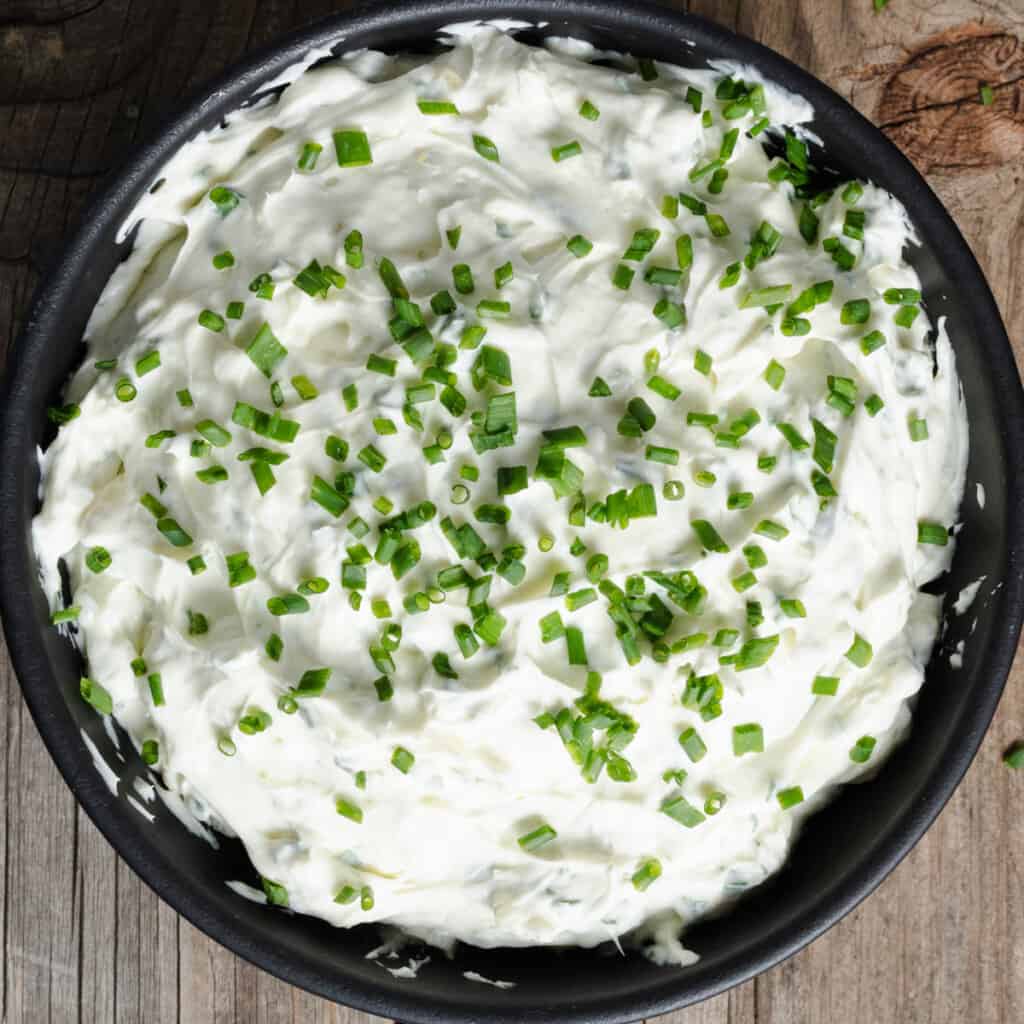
[(84, 939)]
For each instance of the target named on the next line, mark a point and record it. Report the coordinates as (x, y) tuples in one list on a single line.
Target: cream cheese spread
[(514, 671)]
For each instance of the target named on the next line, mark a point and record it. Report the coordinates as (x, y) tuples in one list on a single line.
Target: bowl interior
[(844, 850)]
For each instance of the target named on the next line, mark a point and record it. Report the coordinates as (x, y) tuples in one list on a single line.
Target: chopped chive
[(790, 797), (211, 321), (666, 389), (774, 375), (622, 276), (692, 744), (825, 686), (716, 224), (352, 148), (580, 598), (769, 296), (648, 872), (665, 456), (92, 693), (861, 751), (874, 405), (756, 652), (860, 651), (235, 310), (739, 500), (917, 428), (823, 487), (684, 252), (852, 193), (433, 108), (349, 810), (539, 837), (599, 389), (493, 309), (708, 536), (744, 582), (856, 311), (265, 351), (308, 157), (824, 446), (579, 246), (667, 276), (512, 479), (794, 438), (906, 315), (589, 111), (793, 608), (679, 809), (901, 296), (156, 689), (225, 199), (574, 646), (932, 533), (212, 475), (98, 559), (565, 151), (487, 149), (872, 342)]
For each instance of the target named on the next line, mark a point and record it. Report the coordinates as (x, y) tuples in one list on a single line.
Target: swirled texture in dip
[(618, 710)]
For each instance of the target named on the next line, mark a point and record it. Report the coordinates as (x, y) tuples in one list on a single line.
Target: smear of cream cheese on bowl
[(498, 499)]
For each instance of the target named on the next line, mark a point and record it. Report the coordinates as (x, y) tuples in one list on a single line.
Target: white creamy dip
[(437, 848)]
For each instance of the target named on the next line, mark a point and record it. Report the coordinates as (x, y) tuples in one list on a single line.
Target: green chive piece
[(709, 537), (860, 651), (861, 751), (756, 652), (434, 108), (825, 686), (622, 276), (349, 810), (92, 693), (352, 148), (98, 559), (872, 342), (790, 797), (932, 533), (156, 689), (774, 375), (265, 351), (856, 311), (565, 151), (539, 837), (918, 429), (747, 739), (211, 321), (648, 872), (486, 148), (679, 809), (579, 246), (769, 296)]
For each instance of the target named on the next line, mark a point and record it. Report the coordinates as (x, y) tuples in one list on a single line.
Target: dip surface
[(511, 670)]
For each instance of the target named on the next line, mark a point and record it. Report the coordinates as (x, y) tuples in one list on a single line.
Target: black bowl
[(843, 853)]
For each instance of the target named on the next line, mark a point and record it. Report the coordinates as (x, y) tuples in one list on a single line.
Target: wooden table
[(84, 940)]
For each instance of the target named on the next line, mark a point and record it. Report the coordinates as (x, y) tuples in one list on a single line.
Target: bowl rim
[(237, 83)]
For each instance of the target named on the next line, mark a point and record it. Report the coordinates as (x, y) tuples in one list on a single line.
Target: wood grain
[(942, 942)]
